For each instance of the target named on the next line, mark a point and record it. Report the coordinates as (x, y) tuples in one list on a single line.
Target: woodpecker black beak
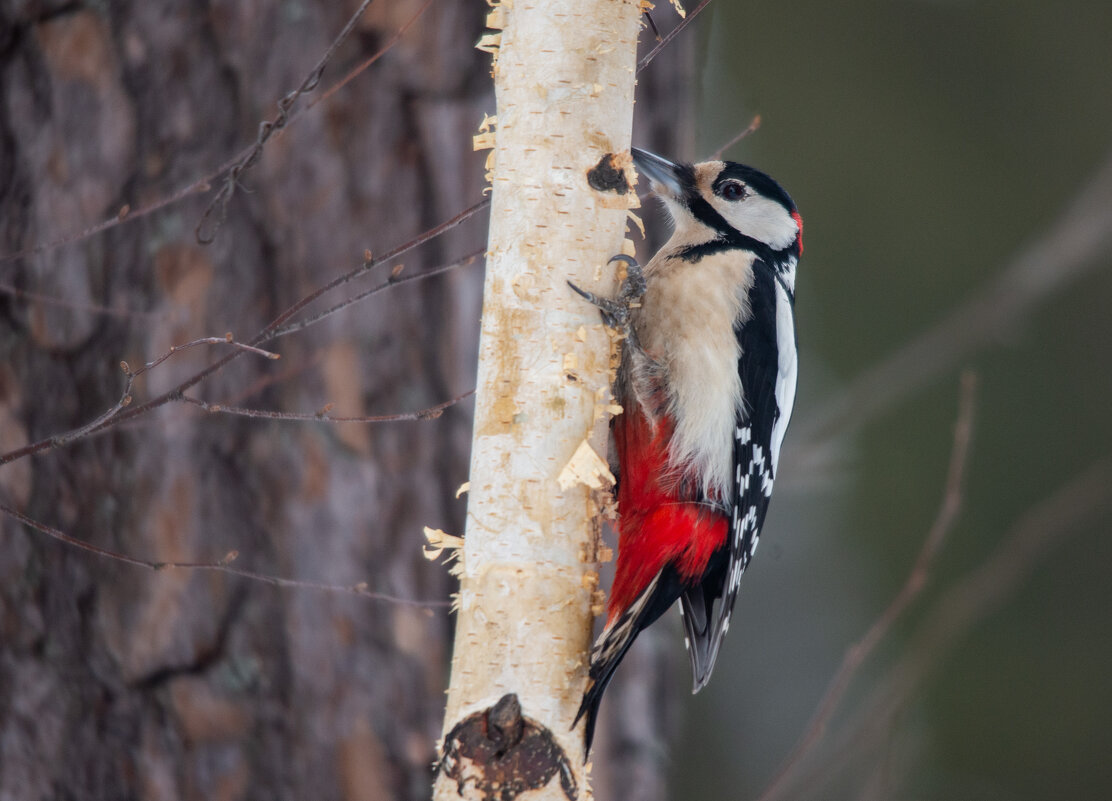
[(663, 173)]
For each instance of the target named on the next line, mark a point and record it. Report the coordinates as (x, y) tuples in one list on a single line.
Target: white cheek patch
[(763, 219)]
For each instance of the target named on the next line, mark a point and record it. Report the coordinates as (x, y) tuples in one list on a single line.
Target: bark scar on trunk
[(609, 175), (502, 753)]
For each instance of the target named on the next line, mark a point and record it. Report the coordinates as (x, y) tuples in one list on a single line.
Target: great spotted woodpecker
[(706, 383)]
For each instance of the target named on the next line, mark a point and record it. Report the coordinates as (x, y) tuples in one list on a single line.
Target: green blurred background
[(927, 145)]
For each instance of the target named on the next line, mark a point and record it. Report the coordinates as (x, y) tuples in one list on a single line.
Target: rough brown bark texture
[(116, 682)]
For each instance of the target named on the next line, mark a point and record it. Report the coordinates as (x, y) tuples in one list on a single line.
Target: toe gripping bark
[(616, 311)]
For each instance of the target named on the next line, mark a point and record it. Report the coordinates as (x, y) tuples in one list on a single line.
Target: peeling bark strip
[(501, 754), (564, 87)]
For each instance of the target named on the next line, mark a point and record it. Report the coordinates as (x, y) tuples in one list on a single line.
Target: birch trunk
[(564, 85)]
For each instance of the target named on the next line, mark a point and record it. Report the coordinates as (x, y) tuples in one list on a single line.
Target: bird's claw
[(616, 311), (633, 287)]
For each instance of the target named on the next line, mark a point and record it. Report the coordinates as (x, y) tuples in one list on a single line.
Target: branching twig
[(267, 128), (205, 183), (227, 339), (220, 566), (861, 650), (977, 596), (962, 607), (58, 440), (123, 410)]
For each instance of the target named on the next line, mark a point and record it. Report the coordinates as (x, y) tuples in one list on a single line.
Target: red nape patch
[(799, 236), (657, 526)]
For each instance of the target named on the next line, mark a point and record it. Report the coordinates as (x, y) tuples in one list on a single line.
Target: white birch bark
[(564, 81)]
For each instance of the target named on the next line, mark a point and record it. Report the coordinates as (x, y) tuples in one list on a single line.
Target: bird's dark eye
[(732, 190)]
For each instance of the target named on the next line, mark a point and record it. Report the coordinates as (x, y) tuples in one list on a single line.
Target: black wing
[(759, 421)]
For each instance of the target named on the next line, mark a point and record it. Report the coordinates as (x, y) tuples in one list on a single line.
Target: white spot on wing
[(759, 467)]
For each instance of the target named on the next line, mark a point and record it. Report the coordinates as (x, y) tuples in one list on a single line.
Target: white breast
[(686, 324)]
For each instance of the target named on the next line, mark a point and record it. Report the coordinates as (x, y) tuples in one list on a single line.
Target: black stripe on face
[(705, 213), (728, 237), (761, 183)]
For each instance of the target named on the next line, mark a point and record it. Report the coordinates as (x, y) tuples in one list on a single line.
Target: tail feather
[(618, 636), (589, 707), (605, 658), (703, 626), (702, 645)]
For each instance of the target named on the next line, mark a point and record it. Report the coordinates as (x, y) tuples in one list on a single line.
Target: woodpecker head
[(718, 205)]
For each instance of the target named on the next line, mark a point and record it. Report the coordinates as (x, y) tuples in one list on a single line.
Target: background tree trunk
[(117, 682)]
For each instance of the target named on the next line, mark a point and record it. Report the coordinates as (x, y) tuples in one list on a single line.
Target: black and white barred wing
[(768, 374)]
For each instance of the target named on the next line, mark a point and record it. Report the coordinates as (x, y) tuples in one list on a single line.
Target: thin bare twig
[(58, 440), (123, 411), (389, 283), (220, 566), (393, 40), (227, 339), (753, 126), (369, 263), (93, 308), (267, 128), (325, 415), (861, 650), (672, 34), (969, 602), (204, 183)]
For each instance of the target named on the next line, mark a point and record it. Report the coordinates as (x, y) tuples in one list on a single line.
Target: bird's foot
[(616, 311)]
